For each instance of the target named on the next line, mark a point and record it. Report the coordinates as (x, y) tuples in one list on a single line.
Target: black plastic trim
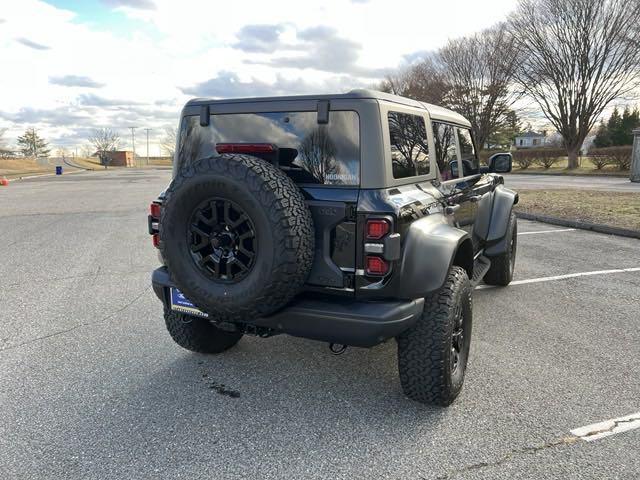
[(204, 116), (323, 112), (329, 319)]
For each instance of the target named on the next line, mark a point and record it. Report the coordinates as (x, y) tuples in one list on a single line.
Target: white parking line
[(562, 277), (548, 231), (607, 428)]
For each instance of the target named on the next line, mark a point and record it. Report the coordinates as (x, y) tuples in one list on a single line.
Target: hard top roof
[(436, 112)]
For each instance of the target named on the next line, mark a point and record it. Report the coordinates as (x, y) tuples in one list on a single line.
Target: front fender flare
[(429, 248)]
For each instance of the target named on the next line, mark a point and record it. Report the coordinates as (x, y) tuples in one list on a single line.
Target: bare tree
[(63, 153), (168, 143), (423, 81), (479, 72), (575, 57), (87, 150), (4, 151), (317, 154), (104, 141)]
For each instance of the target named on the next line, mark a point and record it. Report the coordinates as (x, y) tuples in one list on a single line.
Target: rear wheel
[(433, 354), (501, 270), (198, 334)]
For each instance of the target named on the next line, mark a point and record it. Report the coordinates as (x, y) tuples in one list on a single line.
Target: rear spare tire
[(236, 236)]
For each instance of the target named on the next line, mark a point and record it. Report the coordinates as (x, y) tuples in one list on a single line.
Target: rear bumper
[(329, 319)]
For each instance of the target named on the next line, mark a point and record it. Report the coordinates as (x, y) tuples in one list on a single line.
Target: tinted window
[(308, 152), (470, 161), (446, 151), (409, 145)]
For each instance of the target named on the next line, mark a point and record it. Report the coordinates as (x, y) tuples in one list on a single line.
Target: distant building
[(119, 158), (531, 140)]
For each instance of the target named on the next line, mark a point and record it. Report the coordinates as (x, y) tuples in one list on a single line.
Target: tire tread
[(422, 350)]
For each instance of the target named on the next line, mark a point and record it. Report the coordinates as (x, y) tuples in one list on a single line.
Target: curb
[(45, 175), (594, 227), (77, 166), (571, 174)]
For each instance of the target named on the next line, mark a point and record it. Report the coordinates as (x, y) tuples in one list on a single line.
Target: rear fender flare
[(503, 201), (430, 247)]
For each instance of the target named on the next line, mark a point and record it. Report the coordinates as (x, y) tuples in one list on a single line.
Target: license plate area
[(182, 304)]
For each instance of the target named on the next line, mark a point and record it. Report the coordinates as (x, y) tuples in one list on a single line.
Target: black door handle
[(475, 198)]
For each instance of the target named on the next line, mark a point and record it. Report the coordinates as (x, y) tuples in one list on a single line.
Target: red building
[(121, 158)]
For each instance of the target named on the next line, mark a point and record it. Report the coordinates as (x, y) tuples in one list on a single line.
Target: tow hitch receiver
[(337, 348)]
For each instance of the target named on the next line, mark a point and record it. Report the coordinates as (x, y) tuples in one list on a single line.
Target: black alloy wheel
[(457, 340), (222, 240)]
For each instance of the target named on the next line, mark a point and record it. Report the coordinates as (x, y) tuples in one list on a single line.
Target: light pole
[(133, 142), (147, 130)]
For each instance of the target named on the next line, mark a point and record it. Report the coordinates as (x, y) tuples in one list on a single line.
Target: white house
[(530, 140)]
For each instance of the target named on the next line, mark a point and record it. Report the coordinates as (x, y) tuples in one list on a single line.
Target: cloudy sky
[(71, 66)]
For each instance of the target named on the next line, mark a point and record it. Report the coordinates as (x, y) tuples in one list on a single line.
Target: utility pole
[(133, 142), (635, 157), (147, 130)]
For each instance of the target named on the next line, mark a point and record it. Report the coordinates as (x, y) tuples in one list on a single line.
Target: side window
[(409, 145), (470, 162), (446, 151)]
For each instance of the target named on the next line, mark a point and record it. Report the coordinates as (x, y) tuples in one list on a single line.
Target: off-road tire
[(501, 270), (282, 220), (198, 334), (425, 350)]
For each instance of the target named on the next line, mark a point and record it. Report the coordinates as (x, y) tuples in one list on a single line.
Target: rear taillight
[(377, 228), (375, 265), (245, 148), (154, 210), (154, 223), (377, 233)]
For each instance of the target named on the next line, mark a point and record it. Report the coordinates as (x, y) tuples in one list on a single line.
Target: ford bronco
[(351, 219)]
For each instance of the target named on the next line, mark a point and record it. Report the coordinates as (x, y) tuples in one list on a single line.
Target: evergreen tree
[(603, 136), (614, 126), (505, 133), (618, 129), (32, 145), (630, 120)]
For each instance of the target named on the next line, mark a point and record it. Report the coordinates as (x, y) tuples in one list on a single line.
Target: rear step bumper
[(337, 320)]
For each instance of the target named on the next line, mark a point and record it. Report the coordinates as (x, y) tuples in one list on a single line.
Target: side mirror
[(500, 163), (453, 167)]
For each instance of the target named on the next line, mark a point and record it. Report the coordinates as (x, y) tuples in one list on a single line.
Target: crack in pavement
[(80, 325), (72, 277), (120, 211), (509, 456)]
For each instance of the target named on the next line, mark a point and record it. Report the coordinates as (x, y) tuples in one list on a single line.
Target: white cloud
[(75, 81), (68, 75)]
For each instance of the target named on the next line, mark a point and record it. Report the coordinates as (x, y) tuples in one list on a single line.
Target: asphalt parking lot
[(92, 387)]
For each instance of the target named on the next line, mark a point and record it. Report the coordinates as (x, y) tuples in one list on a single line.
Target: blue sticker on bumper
[(180, 303)]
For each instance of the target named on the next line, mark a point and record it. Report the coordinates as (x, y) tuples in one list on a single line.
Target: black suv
[(351, 219)]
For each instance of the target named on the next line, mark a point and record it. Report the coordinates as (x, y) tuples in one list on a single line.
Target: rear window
[(308, 152)]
